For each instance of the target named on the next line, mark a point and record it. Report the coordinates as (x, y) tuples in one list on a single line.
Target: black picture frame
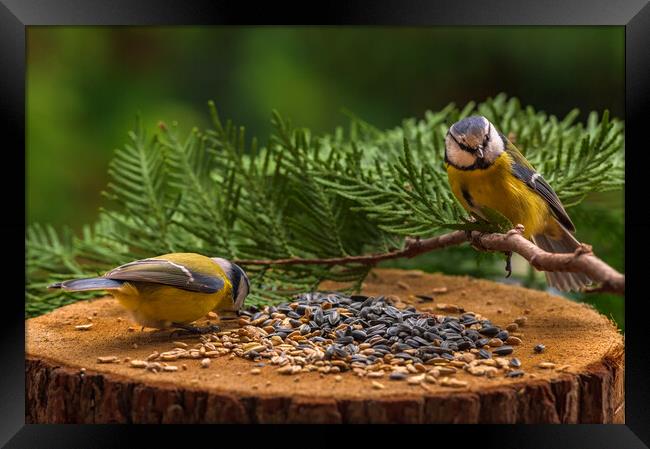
[(16, 15)]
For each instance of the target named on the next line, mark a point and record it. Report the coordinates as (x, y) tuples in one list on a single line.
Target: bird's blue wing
[(525, 172), (165, 272)]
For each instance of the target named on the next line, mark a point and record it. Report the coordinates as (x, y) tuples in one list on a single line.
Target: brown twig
[(412, 248), (581, 261)]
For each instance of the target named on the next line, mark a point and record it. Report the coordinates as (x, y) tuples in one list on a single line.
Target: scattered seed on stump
[(451, 308), (495, 342), (547, 365), (451, 382), (414, 380), (373, 337)]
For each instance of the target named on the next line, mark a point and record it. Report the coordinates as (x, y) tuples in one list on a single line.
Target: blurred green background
[(86, 84)]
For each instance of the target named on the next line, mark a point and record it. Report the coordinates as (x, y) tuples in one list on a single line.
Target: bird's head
[(473, 140), (240, 284)]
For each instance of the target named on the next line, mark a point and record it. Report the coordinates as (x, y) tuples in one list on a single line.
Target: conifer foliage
[(354, 191)]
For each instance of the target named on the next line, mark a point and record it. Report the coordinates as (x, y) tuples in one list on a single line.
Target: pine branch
[(582, 260), (139, 187)]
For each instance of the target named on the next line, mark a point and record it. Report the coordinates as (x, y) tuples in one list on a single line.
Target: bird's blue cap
[(469, 126)]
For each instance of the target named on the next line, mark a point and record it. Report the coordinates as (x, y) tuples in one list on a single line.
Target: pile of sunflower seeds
[(332, 333)]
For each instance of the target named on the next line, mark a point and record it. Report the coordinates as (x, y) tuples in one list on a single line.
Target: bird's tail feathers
[(567, 243), (80, 285)]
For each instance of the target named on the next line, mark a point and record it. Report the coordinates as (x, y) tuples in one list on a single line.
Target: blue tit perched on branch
[(171, 290), (486, 170)]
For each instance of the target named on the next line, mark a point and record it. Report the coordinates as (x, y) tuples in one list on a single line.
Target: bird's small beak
[(479, 151)]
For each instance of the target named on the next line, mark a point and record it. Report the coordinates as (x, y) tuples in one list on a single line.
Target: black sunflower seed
[(456, 326), (484, 354), (490, 331), (359, 335), (502, 350)]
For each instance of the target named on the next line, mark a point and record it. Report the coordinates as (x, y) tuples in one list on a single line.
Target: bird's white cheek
[(460, 158)]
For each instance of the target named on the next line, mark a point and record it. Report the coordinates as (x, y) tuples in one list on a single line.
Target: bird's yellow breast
[(497, 188), (156, 305)]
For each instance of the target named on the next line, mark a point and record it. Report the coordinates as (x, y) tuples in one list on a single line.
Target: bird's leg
[(178, 332), (508, 263), (518, 229), (188, 328)]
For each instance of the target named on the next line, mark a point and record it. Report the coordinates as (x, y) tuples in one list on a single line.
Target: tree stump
[(66, 384)]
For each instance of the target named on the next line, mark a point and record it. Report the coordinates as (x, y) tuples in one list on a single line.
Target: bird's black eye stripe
[(461, 145), (235, 280), (486, 139)]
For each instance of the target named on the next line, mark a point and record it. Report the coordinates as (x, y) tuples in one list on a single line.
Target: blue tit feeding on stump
[(171, 290), (486, 170)]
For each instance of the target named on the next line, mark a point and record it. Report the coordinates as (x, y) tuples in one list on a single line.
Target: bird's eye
[(486, 139)]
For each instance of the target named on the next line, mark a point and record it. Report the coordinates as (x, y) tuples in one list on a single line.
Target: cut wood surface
[(65, 383)]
